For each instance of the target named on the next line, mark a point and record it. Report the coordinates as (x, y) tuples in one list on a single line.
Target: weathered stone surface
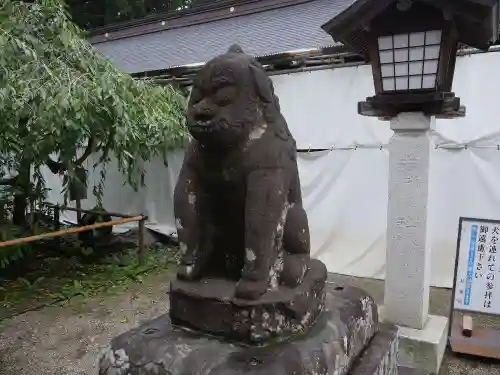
[(341, 333), (209, 306), (380, 357), (237, 202)]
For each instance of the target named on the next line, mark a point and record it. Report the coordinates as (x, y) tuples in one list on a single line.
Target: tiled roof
[(265, 33)]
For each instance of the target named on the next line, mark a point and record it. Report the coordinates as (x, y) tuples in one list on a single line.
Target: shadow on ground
[(67, 339)]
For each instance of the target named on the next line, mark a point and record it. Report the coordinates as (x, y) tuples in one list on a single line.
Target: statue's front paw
[(295, 267), (187, 272), (250, 289)]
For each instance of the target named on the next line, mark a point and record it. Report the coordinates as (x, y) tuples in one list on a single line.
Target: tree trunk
[(23, 184)]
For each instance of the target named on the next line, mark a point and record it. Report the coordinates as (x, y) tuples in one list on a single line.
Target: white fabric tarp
[(345, 188), (154, 199)]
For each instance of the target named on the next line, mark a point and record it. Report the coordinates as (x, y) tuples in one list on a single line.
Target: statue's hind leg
[(296, 244)]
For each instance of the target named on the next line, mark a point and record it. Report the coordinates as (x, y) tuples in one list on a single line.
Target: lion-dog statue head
[(231, 97)]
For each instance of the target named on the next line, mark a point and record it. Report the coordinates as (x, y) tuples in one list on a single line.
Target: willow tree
[(59, 97)]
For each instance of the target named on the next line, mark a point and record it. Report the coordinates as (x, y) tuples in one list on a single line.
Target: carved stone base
[(208, 306), (381, 356), (346, 340)]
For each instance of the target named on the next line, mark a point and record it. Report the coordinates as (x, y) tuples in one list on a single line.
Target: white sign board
[(477, 271)]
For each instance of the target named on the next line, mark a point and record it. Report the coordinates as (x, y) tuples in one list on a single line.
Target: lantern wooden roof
[(476, 21)]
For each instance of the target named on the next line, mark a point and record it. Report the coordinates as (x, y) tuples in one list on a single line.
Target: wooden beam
[(467, 326), (62, 232)]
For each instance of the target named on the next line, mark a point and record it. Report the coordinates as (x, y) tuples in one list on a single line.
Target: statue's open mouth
[(202, 125)]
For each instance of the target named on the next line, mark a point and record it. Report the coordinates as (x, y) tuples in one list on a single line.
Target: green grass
[(59, 279)]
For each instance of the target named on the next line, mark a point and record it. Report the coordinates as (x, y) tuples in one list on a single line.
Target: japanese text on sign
[(477, 270)]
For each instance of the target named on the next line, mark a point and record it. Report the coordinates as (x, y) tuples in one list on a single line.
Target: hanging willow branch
[(57, 167), (51, 76)]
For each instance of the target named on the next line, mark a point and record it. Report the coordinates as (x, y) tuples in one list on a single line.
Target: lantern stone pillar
[(408, 254), (407, 281), (412, 47)]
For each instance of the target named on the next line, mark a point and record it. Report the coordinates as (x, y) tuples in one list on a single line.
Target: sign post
[(476, 286)]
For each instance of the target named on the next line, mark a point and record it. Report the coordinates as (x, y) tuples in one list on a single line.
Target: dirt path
[(66, 340)]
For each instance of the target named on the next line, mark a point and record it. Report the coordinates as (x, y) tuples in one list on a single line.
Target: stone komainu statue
[(237, 202)]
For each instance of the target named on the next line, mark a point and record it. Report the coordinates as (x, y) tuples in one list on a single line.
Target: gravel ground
[(66, 340)]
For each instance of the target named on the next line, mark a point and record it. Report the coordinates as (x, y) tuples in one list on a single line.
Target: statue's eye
[(224, 95), (195, 96)]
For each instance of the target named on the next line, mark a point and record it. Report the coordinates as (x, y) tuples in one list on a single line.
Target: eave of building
[(285, 63), (144, 48), (271, 28), (216, 11)]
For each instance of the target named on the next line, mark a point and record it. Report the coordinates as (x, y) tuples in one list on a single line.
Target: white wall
[(345, 189)]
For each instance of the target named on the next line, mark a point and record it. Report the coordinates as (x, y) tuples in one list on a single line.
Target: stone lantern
[(412, 47)]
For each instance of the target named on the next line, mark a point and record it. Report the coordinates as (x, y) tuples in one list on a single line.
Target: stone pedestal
[(408, 254), (422, 350), (209, 306), (346, 339)]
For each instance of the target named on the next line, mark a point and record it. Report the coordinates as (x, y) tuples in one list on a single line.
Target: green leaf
[(56, 91)]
